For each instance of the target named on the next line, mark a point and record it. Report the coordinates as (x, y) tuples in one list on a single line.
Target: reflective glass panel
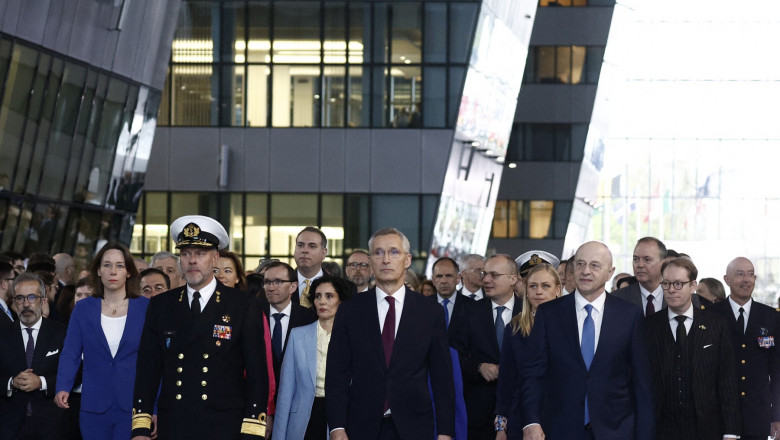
[(256, 227), (289, 214), (195, 95), (296, 32), (257, 96), (259, 48), (335, 45), (406, 33), (334, 96)]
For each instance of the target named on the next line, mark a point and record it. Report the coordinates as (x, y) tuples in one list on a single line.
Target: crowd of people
[(193, 346)]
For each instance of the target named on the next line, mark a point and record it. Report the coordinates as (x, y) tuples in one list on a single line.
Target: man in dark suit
[(198, 343), (283, 315), (311, 248), (385, 345), (7, 275), (754, 329), (29, 356), (478, 339), (692, 361), (471, 266), (445, 277), (587, 375), (649, 253)]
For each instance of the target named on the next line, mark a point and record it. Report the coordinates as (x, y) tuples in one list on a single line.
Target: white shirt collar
[(688, 313), (451, 298), (285, 311), (302, 278), (36, 326), (657, 293), (510, 305), (735, 307), (399, 296), (597, 304), (205, 292)]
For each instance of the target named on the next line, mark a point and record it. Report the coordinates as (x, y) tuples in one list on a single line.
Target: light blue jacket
[(296, 386)]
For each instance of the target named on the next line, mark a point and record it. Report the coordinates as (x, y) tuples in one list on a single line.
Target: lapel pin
[(702, 327)]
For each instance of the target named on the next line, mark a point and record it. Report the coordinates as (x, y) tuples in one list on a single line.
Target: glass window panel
[(577, 65), (296, 32), (356, 224), (236, 230), (88, 180), (406, 33), (405, 94), (233, 24), (296, 96), (435, 100), (20, 81), (89, 227), (578, 134), (380, 45), (259, 47), (194, 204), (108, 134), (195, 34), (379, 97), (194, 100), (63, 129), (540, 218), (164, 114), (593, 60), (545, 64), (51, 92), (156, 237), (563, 64), (457, 76), (136, 242), (23, 236), (430, 207), (513, 221), (335, 46), (334, 96), (561, 214), (5, 59), (435, 46), (398, 211), (43, 227), (359, 32), (359, 96), (500, 219), (289, 214), (11, 227), (463, 17), (257, 96), (333, 222), (256, 226), (232, 100)]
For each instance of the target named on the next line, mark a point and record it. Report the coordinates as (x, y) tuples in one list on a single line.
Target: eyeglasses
[(677, 284), (31, 298), (356, 266), (275, 283), (483, 274)]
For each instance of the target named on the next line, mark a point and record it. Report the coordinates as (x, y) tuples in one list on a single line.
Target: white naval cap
[(531, 258), (199, 230)]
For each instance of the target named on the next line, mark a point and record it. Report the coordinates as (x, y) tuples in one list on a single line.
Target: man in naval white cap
[(197, 343), (527, 261)]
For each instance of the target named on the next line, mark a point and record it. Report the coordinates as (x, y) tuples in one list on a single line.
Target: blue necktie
[(446, 312), (588, 347), (7, 312), (473, 296), (500, 326), (28, 354), (276, 336)]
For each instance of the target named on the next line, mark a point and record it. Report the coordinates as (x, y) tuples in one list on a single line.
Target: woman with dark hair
[(105, 330), (300, 408), (710, 291), (229, 270)]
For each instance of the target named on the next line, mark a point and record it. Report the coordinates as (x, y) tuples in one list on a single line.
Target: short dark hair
[(683, 263), (316, 230), (254, 285), (292, 275), (151, 271), (232, 256), (332, 268), (341, 285), (627, 281), (660, 244), (445, 259), (6, 269), (83, 282)]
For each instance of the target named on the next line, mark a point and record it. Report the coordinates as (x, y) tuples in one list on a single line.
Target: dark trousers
[(317, 429), (483, 432), (387, 431)]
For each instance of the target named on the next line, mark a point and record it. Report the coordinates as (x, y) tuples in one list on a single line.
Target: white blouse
[(113, 329)]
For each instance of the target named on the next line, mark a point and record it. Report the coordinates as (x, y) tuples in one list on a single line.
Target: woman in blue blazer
[(106, 330), (542, 284), (300, 407)]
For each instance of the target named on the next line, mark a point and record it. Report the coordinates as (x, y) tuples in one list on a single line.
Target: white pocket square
[(708, 345), (52, 353)]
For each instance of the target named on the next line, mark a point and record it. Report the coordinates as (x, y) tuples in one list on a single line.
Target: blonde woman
[(542, 284)]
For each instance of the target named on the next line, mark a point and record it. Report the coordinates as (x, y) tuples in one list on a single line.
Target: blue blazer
[(106, 379), (618, 384), (296, 387)]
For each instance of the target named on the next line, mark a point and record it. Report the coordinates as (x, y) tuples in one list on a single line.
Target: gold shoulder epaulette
[(254, 426), (142, 421)]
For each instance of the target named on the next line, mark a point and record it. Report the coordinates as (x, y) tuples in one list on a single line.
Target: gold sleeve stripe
[(253, 427), (142, 421)]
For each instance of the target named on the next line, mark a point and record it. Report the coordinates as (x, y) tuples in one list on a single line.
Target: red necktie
[(388, 331), (650, 308)]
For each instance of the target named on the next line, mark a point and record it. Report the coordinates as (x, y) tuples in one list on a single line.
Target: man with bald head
[(754, 327), (587, 373)]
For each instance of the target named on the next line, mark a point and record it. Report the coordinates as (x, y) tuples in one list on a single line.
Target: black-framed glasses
[(356, 266), (31, 298), (483, 274), (275, 283), (677, 284)]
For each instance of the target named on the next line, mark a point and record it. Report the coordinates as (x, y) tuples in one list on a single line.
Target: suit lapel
[(569, 326), (202, 325), (133, 309), (41, 344), (489, 324), (98, 323), (183, 320), (752, 327), (310, 352), (371, 315), (18, 341), (405, 331)]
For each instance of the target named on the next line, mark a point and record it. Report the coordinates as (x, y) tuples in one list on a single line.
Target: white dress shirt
[(735, 308), (25, 336), (450, 305), (658, 298), (597, 314), (506, 314), (6, 309), (383, 306), (284, 322), (113, 328), (479, 294), (673, 322), (302, 279), (205, 293)]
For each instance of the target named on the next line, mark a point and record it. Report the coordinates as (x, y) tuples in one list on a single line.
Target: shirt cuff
[(43, 383), (336, 429), (531, 424), (730, 436), (9, 389)]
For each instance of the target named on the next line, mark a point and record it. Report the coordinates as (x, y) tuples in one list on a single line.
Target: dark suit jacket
[(759, 375), (476, 342), (299, 316), (5, 319), (510, 381), (358, 379), (713, 377), (458, 310), (45, 361), (618, 384), (207, 356)]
